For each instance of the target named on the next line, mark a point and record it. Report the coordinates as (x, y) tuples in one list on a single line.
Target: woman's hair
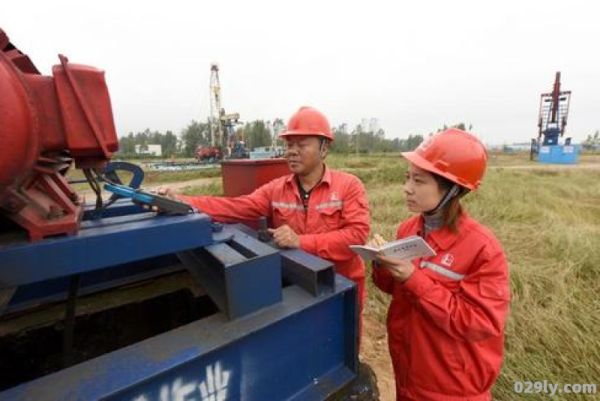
[(453, 209)]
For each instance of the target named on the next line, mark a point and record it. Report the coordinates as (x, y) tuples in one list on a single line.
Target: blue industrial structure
[(559, 154), (117, 301), (552, 122), (286, 328)]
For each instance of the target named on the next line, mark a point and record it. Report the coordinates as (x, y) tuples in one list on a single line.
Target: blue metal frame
[(121, 207), (310, 272), (303, 348), (241, 275), (103, 243), (55, 290), (121, 244), (293, 343)]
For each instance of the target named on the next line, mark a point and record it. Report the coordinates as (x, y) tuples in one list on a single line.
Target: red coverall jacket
[(446, 322), (337, 216)]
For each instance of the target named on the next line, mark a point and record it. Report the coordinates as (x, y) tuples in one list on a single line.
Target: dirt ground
[(374, 352)]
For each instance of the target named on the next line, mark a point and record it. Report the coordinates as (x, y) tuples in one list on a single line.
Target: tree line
[(592, 142), (196, 133), (261, 133)]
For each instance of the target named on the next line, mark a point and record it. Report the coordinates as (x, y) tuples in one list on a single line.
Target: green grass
[(549, 224), (214, 188), (152, 177)]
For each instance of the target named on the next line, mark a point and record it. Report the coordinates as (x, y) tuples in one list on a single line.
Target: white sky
[(414, 65)]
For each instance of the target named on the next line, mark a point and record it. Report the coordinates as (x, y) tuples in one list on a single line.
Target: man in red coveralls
[(316, 209)]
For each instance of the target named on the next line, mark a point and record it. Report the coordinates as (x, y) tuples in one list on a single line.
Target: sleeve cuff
[(193, 201), (184, 198), (417, 284), (308, 243)]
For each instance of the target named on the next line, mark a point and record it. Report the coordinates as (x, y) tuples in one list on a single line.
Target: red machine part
[(241, 177), (47, 123), (208, 153)]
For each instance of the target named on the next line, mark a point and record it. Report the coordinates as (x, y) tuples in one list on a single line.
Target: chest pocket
[(285, 213), (330, 217)]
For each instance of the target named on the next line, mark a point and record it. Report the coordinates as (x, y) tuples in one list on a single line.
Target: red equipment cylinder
[(46, 123)]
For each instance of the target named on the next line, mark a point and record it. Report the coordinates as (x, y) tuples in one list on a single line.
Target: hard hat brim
[(304, 133), (424, 164)]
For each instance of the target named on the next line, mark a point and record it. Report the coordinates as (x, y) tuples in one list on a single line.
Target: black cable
[(95, 186), (111, 180)]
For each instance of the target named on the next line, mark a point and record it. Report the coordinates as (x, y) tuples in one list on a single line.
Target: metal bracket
[(239, 273)]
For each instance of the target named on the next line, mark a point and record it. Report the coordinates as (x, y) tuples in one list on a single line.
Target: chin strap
[(454, 191)]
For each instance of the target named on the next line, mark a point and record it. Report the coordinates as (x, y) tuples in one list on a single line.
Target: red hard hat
[(453, 154), (308, 121)]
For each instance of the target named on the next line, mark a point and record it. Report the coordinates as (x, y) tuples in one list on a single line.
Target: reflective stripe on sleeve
[(442, 270)]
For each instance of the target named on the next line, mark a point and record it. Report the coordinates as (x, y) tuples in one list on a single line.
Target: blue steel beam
[(121, 207), (56, 289), (101, 244)]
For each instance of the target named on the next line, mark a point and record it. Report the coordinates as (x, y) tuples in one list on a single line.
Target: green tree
[(169, 144), (343, 140), (257, 134), (592, 142), (195, 134), (412, 142), (127, 145), (461, 126)]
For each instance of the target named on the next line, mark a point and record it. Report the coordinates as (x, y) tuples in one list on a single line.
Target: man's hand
[(166, 191), (285, 237), (400, 269), (162, 191)]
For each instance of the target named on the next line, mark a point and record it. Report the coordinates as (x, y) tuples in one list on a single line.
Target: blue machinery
[(554, 110), (285, 328)]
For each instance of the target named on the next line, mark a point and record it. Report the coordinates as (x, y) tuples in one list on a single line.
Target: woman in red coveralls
[(446, 319)]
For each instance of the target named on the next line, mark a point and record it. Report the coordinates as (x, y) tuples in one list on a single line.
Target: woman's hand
[(377, 241), (400, 269)]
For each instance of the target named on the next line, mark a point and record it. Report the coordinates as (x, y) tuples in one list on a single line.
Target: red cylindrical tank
[(45, 123), (242, 176), (19, 127)]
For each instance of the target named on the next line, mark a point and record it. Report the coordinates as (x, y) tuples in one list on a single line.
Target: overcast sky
[(413, 65)]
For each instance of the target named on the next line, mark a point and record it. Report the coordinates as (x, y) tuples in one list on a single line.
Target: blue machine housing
[(554, 110), (552, 152), (268, 342), (559, 154)]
